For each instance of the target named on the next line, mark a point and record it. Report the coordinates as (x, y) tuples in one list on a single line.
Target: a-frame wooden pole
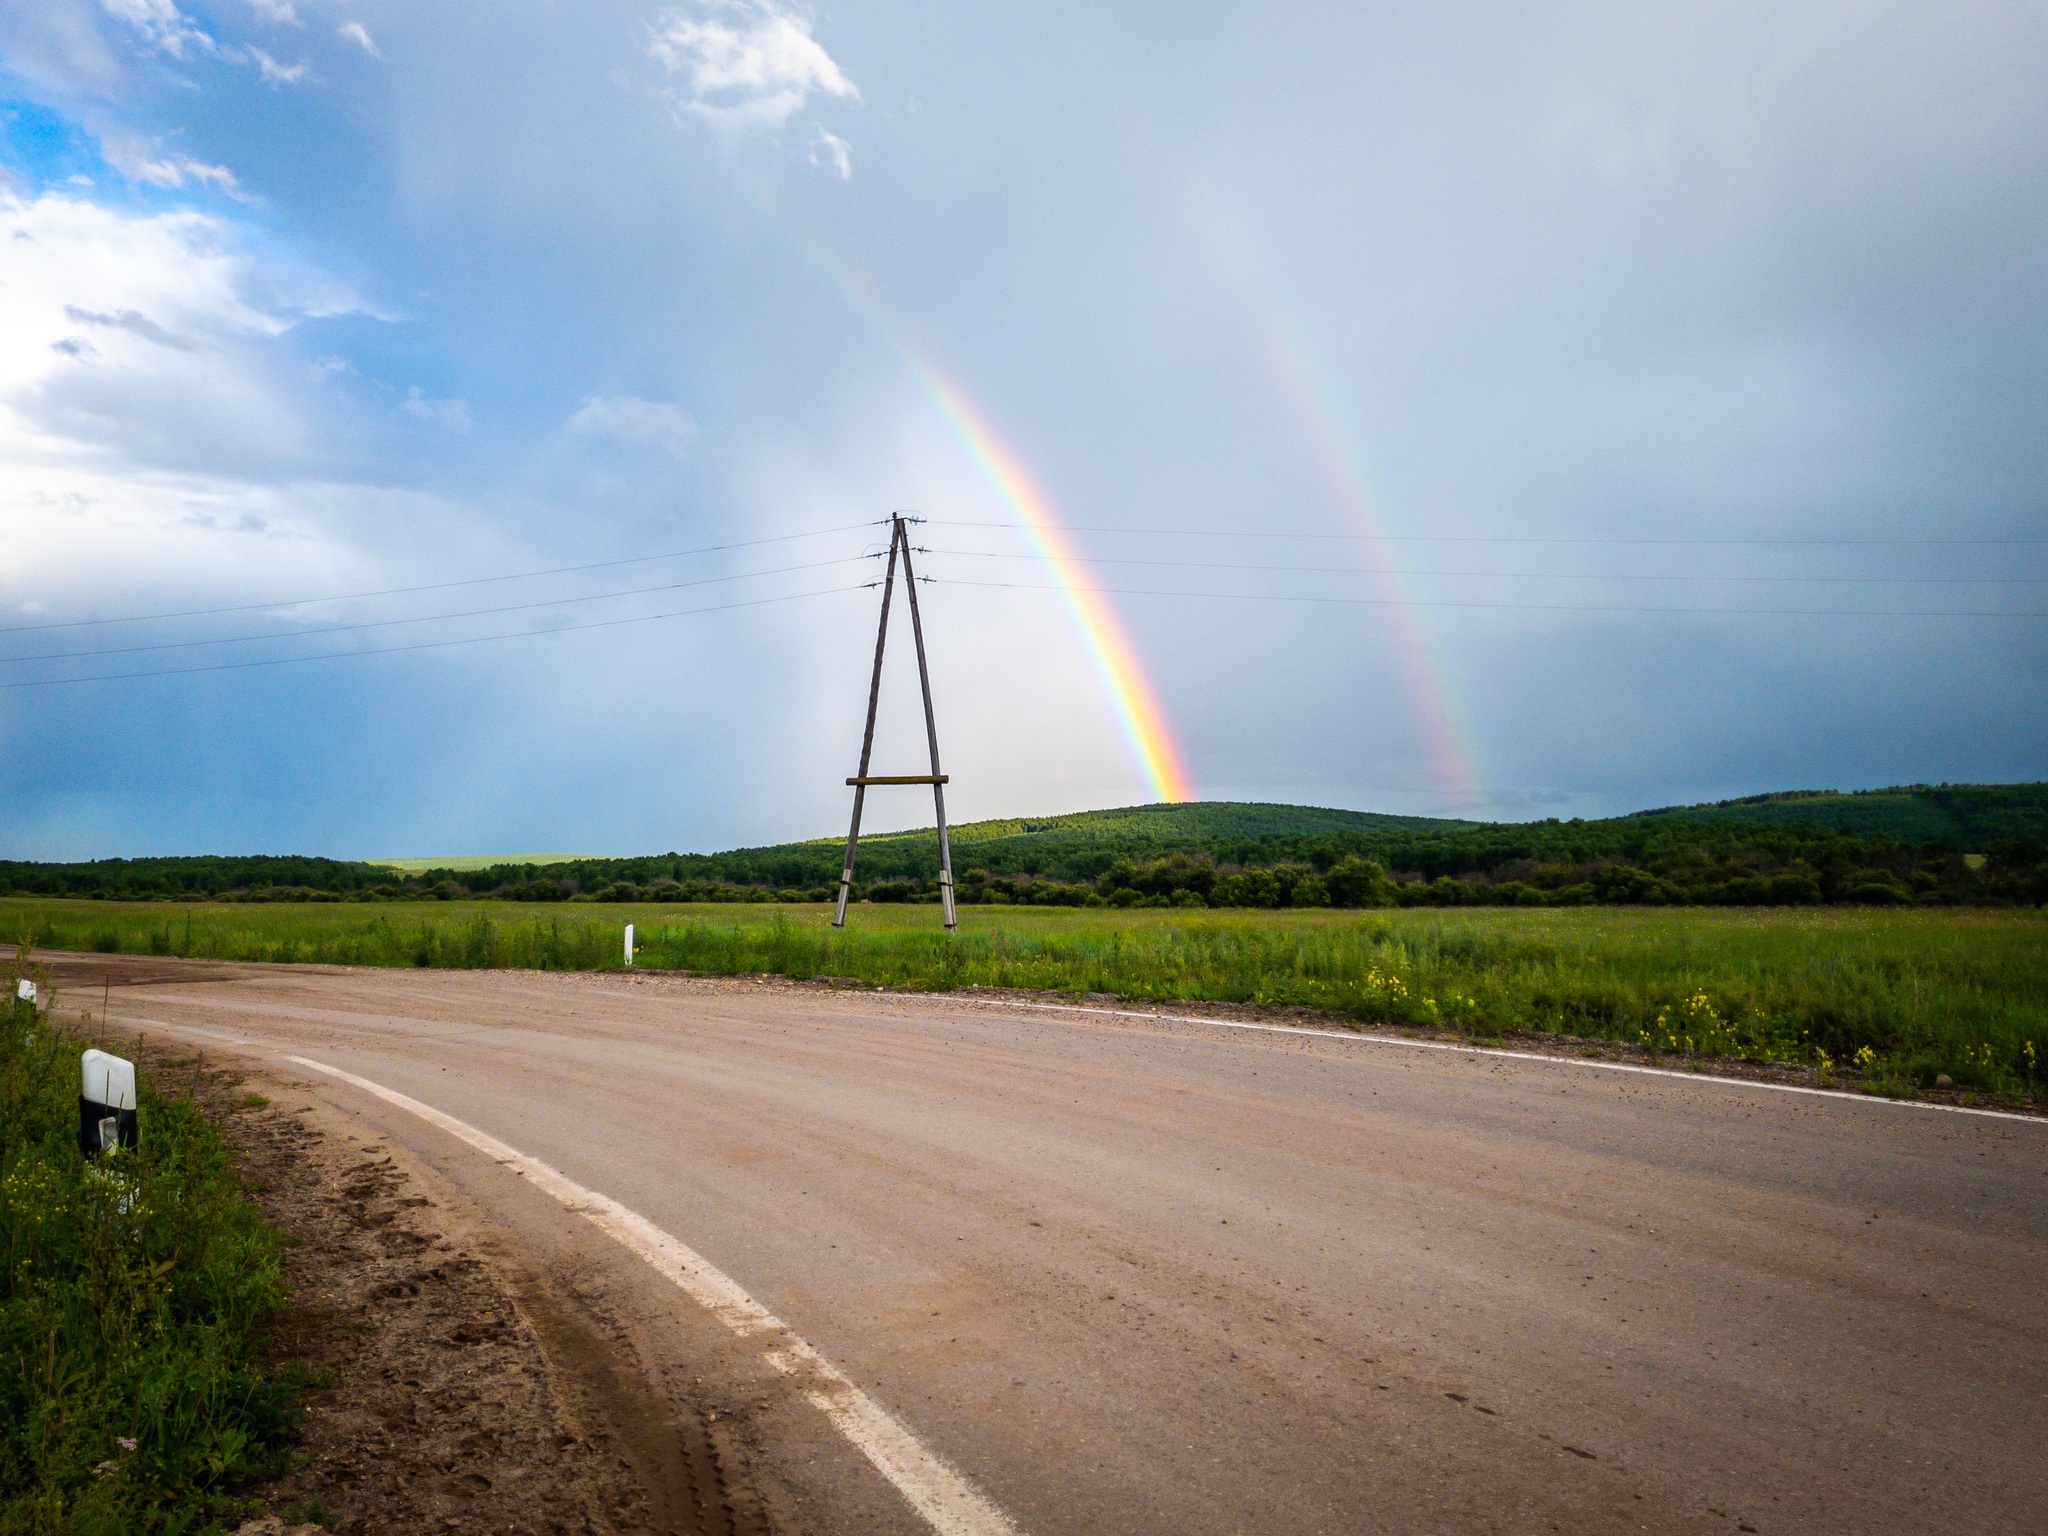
[(931, 731), (867, 740)]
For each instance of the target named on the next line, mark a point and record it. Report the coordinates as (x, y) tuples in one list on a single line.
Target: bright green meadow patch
[(1898, 996)]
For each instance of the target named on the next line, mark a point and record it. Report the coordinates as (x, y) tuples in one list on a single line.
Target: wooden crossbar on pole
[(899, 545)]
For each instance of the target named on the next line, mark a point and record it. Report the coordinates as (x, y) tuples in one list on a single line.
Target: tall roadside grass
[(1900, 997), (135, 1292)]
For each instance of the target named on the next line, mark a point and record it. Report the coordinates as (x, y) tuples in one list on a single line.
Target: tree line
[(1623, 861)]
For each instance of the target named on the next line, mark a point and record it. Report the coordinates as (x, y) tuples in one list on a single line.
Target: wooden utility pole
[(899, 544)]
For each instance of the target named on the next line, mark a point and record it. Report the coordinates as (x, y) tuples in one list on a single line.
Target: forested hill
[(1969, 815), (1199, 824), (1917, 843)]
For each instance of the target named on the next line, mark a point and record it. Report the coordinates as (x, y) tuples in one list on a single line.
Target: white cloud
[(648, 422), (355, 32), (275, 73), (746, 65), (169, 172), (127, 331), (162, 25), (145, 404), (452, 414), (829, 149), (279, 13), (129, 320)]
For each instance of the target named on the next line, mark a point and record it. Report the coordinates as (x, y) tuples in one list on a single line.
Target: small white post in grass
[(629, 943), (26, 991), (106, 1103)]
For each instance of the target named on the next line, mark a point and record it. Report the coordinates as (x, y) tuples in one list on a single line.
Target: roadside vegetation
[(136, 1291), (1893, 999)]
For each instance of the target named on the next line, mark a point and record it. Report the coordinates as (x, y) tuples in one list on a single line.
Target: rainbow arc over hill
[(1122, 674), (1150, 737)]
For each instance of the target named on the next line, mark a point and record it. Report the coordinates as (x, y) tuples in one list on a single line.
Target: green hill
[(1080, 846), (1971, 815), (1913, 843), (1193, 824), (474, 861)]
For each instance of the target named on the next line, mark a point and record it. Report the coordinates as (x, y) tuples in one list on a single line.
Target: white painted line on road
[(948, 1502), (1362, 1038)]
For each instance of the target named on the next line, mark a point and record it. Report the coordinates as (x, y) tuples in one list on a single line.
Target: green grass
[(135, 1293), (1922, 992)]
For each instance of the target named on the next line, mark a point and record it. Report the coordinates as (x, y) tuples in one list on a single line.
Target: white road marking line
[(948, 1502), (1360, 1037)]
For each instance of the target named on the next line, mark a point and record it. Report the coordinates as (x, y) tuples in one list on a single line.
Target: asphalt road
[(1152, 1277)]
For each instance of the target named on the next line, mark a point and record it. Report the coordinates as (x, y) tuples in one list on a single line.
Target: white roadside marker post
[(106, 1103), (629, 943), (26, 991)]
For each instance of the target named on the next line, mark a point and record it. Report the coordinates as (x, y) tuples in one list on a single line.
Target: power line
[(1479, 538), (431, 618), (424, 645), (1378, 570), (437, 586), (1389, 602)]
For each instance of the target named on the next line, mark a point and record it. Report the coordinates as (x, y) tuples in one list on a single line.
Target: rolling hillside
[(1970, 815), (1917, 842)]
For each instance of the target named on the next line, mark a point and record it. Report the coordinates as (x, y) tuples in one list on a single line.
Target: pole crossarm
[(899, 547)]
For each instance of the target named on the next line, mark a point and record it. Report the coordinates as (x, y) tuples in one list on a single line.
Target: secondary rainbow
[(1290, 363), (1153, 749)]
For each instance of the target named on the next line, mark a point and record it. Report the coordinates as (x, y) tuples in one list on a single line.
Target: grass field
[(1895, 997)]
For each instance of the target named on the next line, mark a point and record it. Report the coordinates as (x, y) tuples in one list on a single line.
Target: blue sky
[(1686, 365)]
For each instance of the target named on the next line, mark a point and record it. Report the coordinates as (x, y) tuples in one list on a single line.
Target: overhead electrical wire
[(1489, 538), (431, 618), (423, 645), (1386, 602), (1380, 570), (1277, 597), (435, 586)]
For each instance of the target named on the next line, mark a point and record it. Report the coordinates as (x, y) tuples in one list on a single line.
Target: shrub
[(134, 1294), (1359, 882)]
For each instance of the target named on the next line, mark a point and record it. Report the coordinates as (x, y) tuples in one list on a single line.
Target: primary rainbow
[(1153, 749), (1122, 675)]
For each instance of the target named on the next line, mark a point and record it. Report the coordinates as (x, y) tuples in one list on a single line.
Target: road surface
[(1125, 1275)]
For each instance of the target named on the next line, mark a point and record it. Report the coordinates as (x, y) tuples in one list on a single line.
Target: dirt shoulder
[(458, 1388)]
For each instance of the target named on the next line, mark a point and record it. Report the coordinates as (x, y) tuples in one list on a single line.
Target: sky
[(472, 428)]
